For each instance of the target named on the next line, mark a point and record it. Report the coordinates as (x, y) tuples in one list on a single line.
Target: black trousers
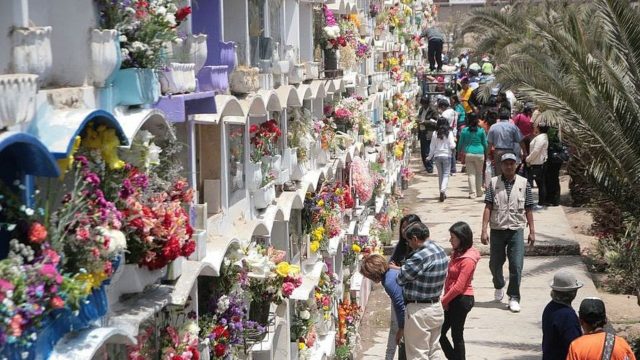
[(435, 53), (552, 183), (537, 173), (425, 143), (454, 319)]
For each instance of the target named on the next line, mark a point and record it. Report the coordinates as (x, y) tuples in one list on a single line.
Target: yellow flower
[(321, 203), (315, 245), (356, 248), (301, 346), (283, 269), (91, 281), (109, 148), (65, 164)]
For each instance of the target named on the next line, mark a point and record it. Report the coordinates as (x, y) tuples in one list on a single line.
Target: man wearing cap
[(508, 210), (596, 344), (422, 278), (504, 137), (560, 324)]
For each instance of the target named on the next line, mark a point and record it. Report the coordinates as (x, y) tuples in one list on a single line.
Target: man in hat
[(596, 344), (508, 210), (560, 324)]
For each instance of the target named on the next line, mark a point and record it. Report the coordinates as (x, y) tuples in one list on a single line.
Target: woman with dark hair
[(473, 144), (458, 298), (402, 249), (442, 145)]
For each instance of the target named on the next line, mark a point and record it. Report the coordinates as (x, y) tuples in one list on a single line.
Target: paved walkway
[(492, 331)]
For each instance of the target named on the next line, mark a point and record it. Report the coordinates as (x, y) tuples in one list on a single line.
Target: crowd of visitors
[(504, 154)]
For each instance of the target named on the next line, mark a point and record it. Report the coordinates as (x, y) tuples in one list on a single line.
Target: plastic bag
[(488, 174)]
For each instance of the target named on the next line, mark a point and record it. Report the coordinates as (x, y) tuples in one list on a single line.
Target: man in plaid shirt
[(422, 276)]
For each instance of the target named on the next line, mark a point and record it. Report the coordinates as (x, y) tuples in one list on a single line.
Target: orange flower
[(37, 233)]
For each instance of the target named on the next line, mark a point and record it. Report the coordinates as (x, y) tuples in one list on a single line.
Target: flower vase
[(254, 175), (273, 163), (404, 184), (213, 78), (135, 279), (330, 60), (296, 75), (244, 80), (311, 70), (323, 157), (136, 86), (259, 312), (238, 178), (178, 78), (197, 47), (323, 326), (17, 98), (229, 55), (264, 196), (205, 350), (32, 51), (105, 56), (174, 269)]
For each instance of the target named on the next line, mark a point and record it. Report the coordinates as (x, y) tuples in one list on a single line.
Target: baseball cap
[(592, 310), (508, 156)]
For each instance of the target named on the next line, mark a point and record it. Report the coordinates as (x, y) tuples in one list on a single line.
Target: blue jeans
[(425, 143), (443, 164), (507, 244)]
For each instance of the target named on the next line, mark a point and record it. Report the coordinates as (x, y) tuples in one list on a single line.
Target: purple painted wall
[(206, 19)]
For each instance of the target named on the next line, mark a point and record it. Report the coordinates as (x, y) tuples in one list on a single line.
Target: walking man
[(422, 277), (435, 43), (508, 210), (504, 137)]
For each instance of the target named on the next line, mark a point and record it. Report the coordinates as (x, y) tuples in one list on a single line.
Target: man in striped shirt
[(508, 209), (422, 277)]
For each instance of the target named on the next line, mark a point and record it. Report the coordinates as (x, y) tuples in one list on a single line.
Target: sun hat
[(592, 310), (565, 281), (508, 156)]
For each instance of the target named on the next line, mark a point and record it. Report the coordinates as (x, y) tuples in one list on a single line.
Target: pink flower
[(287, 289), (49, 270), (57, 302)]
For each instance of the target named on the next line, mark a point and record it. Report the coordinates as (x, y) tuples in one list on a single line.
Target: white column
[(20, 13)]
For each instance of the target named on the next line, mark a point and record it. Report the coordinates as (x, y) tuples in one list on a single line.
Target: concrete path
[(492, 331)]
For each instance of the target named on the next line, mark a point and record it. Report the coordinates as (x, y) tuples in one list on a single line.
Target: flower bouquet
[(361, 179), (303, 328), (300, 132), (324, 293)]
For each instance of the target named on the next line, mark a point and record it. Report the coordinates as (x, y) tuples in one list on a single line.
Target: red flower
[(218, 331), (57, 302), (220, 350), (188, 248), (37, 233), (137, 223), (195, 354), (253, 128), (182, 14), (177, 357)]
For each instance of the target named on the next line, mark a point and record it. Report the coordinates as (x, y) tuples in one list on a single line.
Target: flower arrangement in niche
[(303, 328), (406, 173), (264, 138), (348, 317), (300, 132), (374, 10), (361, 178), (271, 280), (324, 292), (145, 27), (143, 153)]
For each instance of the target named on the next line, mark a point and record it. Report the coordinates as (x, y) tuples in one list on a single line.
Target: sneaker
[(498, 294), (514, 305), (442, 196), (538, 207)]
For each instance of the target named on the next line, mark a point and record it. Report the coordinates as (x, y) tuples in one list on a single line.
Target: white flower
[(130, 10), (28, 211), (171, 19), (122, 38), (191, 327), (138, 46), (153, 156), (332, 32), (117, 240), (124, 52), (223, 304), (305, 315), (161, 10), (172, 8), (258, 263), (10, 227)]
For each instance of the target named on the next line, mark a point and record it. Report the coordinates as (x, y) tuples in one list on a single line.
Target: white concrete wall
[(236, 27), (72, 21), (292, 23), (306, 32), (6, 22)]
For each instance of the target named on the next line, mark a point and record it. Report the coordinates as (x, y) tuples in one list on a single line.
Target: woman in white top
[(536, 159), (442, 144)]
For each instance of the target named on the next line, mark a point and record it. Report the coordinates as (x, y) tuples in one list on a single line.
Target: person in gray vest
[(508, 210)]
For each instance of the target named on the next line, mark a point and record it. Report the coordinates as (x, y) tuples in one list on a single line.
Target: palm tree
[(581, 62)]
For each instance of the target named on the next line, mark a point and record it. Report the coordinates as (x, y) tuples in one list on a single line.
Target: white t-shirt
[(452, 117), (538, 150), (441, 147)]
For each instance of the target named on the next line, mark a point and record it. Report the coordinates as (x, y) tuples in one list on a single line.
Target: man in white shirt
[(452, 117), (536, 160)]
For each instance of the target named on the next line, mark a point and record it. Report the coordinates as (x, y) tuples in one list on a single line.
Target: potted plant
[(144, 31)]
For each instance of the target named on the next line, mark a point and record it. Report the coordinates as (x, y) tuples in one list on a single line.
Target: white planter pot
[(204, 350), (274, 163), (311, 70), (105, 55), (178, 78), (32, 51), (281, 67), (254, 175), (197, 45), (296, 74), (264, 196), (244, 80), (174, 269), (200, 237), (323, 326), (17, 98), (323, 157), (298, 171), (135, 279)]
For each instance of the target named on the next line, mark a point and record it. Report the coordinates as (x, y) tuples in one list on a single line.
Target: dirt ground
[(623, 310)]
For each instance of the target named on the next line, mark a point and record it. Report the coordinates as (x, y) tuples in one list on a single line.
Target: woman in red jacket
[(458, 299)]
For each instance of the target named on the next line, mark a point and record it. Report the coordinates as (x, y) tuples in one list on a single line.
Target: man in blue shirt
[(422, 277), (560, 324), (376, 268), (504, 137)]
